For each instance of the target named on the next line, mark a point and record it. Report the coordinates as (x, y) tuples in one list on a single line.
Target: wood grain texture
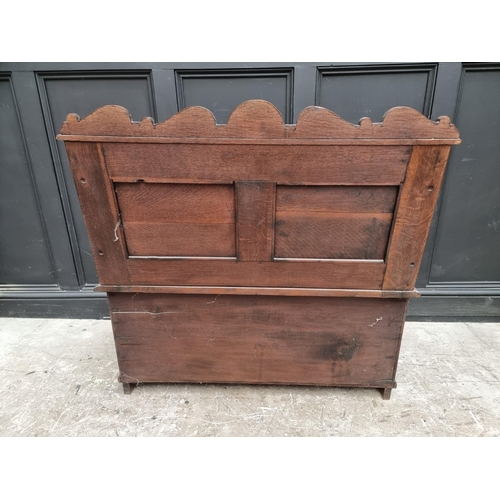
[(289, 141), (343, 199), (285, 292), (178, 219), (255, 202), (332, 236), (199, 163), (260, 119), (332, 274), (251, 339), (100, 213), (256, 249), (414, 215), (142, 202), (159, 239), (400, 122), (333, 222)]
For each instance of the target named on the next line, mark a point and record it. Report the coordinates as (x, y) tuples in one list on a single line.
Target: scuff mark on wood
[(340, 349), (116, 227), (213, 301), (376, 321)]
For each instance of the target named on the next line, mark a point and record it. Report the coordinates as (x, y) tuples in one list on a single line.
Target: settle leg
[(127, 388), (386, 393)]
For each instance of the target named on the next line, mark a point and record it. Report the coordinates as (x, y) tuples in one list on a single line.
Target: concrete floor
[(60, 380)]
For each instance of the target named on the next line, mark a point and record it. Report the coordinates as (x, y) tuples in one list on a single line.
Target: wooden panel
[(259, 119), (178, 219), (212, 163), (333, 274), (332, 236), (333, 222), (179, 239), (255, 226), (251, 339), (414, 215), (141, 202), (325, 199), (96, 195), (248, 290)]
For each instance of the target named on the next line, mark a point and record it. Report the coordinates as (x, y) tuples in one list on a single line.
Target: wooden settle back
[(322, 207)]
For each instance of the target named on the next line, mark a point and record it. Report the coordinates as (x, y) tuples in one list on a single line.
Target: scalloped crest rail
[(260, 120), (258, 252)]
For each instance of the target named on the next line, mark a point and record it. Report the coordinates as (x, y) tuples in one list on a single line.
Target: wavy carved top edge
[(258, 119)]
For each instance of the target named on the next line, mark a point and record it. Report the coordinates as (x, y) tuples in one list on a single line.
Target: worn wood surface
[(284, 164), (332, 236), (329, 274), (248, 290), (258, 252), (335, 199), (252, 142), (183, 240), (178, 219), (176, 203), (416, 205), (255, 202), (252, 339), (100, 211), (260, 119), (333, 222)]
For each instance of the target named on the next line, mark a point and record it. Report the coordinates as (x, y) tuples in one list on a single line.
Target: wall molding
[(7, 76), (41, 78), (288, 73), (369, 69), (466, 288), (93, 305)]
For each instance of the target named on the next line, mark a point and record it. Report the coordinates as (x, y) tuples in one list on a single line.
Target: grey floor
[(59, 379)]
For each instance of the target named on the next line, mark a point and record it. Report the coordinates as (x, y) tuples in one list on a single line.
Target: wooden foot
[(386, 393), (128, 388)]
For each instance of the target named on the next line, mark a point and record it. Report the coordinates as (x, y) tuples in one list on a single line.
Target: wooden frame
[(321, 214)]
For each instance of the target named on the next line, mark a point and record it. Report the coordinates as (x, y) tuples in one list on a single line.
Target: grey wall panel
[(467, 247), (222, 91), (82, 93), (443, 104), (355, 92), (24, 255), (45, 264)]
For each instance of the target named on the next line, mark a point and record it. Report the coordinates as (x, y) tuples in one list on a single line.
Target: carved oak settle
[(258, 252)]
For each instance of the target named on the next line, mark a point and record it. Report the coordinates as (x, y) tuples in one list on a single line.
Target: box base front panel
[(257, 339)]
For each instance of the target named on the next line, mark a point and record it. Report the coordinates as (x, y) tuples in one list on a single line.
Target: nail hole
[(101, 252), (412, 264), (83, 180), (431, 188)]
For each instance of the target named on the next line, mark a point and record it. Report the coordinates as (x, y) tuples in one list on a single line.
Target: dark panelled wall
[(46, 267)]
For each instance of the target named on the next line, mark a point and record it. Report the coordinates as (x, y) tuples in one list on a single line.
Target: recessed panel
[(24, 253), (333, 222), (222, 92), (358, 92), (183, 220), (467, 244), (82, 94)]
